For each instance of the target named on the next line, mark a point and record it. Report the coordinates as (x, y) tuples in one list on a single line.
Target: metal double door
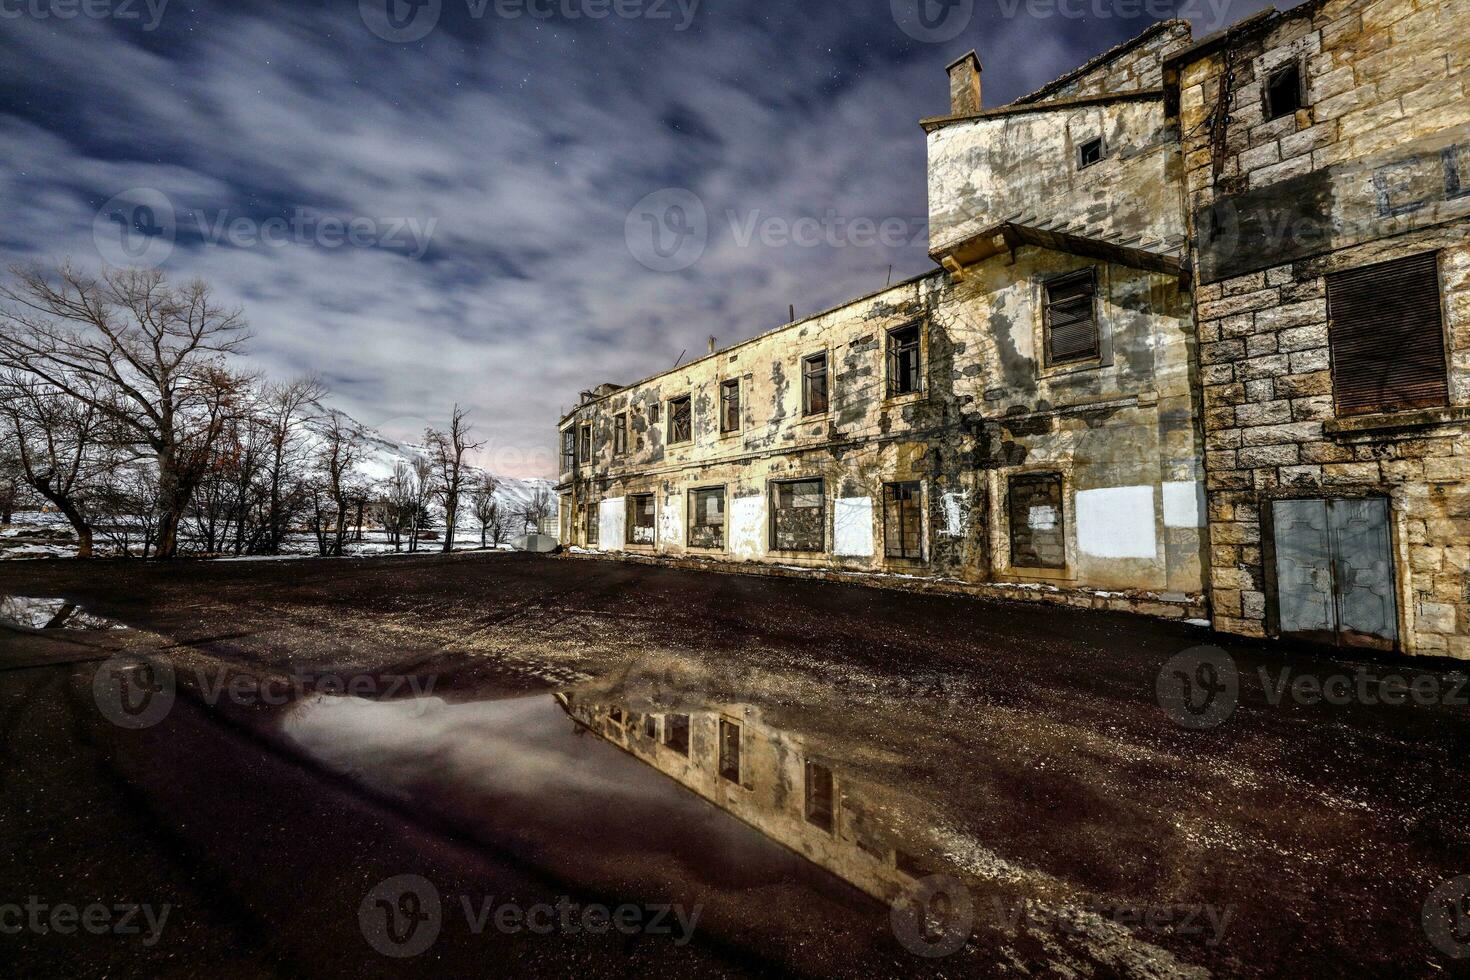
[(1335, 579)]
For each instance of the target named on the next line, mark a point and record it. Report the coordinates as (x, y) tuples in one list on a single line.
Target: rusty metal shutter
[(1071, 318), (1387, 337)]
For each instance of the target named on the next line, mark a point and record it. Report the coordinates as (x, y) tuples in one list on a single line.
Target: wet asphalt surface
[(1018, 751)]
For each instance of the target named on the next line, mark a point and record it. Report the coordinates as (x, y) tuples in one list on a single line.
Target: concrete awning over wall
[(1139, 251)]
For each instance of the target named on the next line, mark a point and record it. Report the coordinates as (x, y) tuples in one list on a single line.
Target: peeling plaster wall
[(1137, 66), (1367, 171)]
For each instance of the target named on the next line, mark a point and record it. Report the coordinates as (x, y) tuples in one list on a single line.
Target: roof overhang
[(1057, 105), (1008, 236)]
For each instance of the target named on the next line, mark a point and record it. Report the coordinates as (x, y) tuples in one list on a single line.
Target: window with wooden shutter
[(1387, 337), (1071, 318)]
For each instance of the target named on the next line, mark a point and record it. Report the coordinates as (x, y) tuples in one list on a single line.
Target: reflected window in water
[(676, 733), (729, 750), (820, 796)]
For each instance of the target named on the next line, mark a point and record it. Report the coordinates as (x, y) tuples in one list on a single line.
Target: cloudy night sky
[(493, 170)]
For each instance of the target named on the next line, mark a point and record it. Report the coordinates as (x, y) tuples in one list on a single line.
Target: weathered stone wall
[(1365, 172), (1131, 67)]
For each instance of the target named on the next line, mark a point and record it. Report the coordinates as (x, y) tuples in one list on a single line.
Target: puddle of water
[(50, 614)]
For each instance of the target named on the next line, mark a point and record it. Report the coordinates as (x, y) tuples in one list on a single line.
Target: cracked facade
[(1150, 369)]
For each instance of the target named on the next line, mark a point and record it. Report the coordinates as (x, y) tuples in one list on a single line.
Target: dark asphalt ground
[(1020, 749)]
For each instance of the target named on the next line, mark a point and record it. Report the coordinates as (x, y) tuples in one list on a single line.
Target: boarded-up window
[(903, 522), (707, 518), (620, 434), (798, 516), (1038, 537), (1071, 318), (814, 384), (903, 360), (592, 522), (681, 428), (821, 796), (640, 518), (1387, 337), (730, 406), (568, 451), (676, 733), (729, 750)]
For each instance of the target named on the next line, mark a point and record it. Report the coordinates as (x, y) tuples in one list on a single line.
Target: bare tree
[(149, 356), (288, 410), (500, 524), (395, 505), (484, 505), (422, 474), (538, 508), (11, 475), (335, 487), (446, 452), (58, 443)]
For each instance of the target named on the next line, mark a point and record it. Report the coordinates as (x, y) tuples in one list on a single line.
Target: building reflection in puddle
[(767, 778)]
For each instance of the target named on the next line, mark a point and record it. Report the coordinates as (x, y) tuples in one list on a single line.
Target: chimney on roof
[(711, 344), (964, 85)]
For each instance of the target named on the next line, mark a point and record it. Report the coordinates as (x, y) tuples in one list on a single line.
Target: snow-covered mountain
[(380, 454)]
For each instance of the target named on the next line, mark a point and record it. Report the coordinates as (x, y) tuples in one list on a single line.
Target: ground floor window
[(707, 517), (729, 750), (821, 796), (1038, 537), (798, 517), (640, 519), (903, 520), (592, 522), (676, 733)]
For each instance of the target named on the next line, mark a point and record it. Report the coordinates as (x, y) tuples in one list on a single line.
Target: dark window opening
[(1038, 536), (798, 516), (681, 424), (903, 522), (615, 715), (640, 519), (903, 360), (909, 865), (1283, 92), (814, 384), (568, 451), (592, 522), (707, 518), (620, 434), (584, 450), (730, 406), (1386, 334), (821, 796), (650, 726), (676, 733), (729, 750), (1089, 153), (1071, 318), (653, 411)]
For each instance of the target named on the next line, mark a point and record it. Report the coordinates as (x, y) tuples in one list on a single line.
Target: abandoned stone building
[(1325, 149), (1119, 388)]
